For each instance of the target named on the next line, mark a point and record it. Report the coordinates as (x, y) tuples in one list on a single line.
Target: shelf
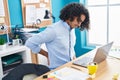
[(22, 50)]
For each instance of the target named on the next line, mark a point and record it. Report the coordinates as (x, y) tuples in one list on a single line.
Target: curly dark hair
[(73, 10)]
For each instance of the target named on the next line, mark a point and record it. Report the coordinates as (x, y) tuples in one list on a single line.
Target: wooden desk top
[(106, 69)]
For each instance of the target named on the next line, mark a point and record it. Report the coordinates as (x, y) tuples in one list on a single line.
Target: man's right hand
[(44, 53)]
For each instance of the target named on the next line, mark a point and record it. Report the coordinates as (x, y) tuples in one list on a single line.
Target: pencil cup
[(92, 69), (17, 42)]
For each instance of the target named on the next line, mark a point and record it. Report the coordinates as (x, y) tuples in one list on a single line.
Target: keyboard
[(83, 61)]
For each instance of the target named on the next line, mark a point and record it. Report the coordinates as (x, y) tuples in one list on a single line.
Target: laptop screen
[(102, 53)]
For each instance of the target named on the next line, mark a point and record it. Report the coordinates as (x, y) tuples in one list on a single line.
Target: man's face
[(75, 23)]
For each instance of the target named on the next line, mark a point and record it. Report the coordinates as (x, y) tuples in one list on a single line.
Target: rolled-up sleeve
[(35, 42)]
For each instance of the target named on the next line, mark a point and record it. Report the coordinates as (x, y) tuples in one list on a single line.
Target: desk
[(105, 71)]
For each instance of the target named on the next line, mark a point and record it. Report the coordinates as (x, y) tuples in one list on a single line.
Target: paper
[(42, 5), (68, 73), (28, 29), (115, 52), (40, 12), (2, 12), (30, 14), (46, 1), (33, 13), (31, 1), (2, 20)]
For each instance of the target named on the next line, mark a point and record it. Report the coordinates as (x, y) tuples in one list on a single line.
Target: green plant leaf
[(2, 41)]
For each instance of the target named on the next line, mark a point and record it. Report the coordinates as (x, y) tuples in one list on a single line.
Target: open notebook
[(68, 73), (101, 55)]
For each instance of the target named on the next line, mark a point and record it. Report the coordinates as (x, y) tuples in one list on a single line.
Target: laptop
[(100, 55)]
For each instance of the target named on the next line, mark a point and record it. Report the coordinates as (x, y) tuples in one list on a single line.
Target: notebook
[(100, 55), (68, 73)]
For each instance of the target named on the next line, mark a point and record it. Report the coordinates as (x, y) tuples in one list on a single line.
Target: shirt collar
[(66, 25)]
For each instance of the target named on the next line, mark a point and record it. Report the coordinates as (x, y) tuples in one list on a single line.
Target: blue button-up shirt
[(57, 38)]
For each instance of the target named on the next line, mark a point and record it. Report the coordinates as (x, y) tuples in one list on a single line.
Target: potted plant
[(2, 43)]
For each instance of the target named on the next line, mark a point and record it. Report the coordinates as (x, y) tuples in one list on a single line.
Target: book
[(11, 58), (12, 64)]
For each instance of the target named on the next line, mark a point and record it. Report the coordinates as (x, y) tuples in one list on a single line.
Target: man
[(57, 36)]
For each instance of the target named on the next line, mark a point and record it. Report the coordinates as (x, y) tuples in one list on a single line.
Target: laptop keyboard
[(83, 61)]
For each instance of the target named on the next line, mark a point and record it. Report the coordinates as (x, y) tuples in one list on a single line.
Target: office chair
[(24, 69)]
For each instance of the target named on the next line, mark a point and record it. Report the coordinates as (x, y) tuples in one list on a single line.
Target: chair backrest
[(24, 69)]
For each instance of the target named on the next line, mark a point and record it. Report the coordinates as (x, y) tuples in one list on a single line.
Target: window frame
[(108, 33)]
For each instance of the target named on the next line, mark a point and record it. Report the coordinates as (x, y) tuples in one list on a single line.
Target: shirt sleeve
[(73, 41), (35, 42)]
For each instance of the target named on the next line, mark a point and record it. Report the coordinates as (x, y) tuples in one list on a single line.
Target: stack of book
[(10, 62)]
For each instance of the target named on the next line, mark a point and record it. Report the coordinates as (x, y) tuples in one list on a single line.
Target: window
[(104, 21)]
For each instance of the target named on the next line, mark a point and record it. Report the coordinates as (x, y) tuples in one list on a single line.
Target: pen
[(75, 68)]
